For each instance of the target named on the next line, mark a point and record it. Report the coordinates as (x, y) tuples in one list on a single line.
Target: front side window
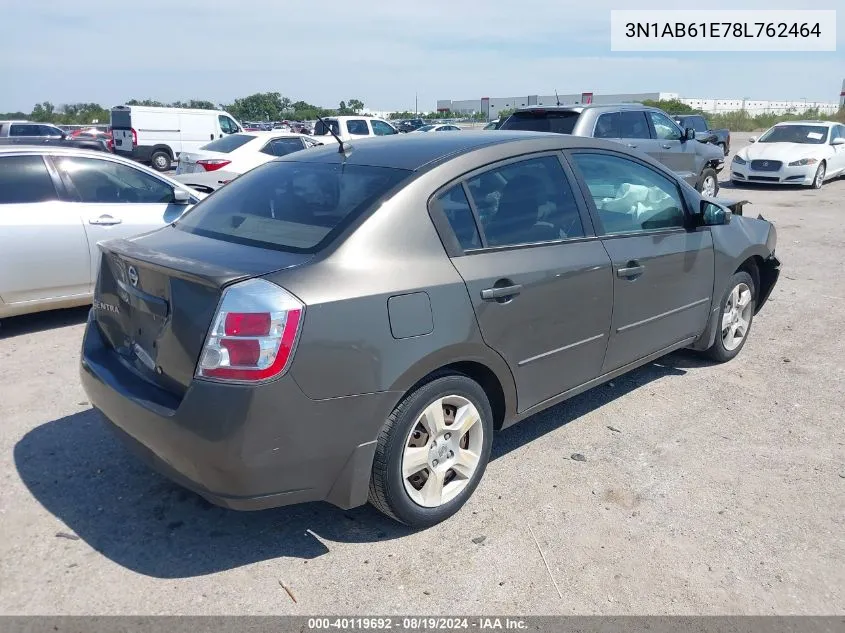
[(698, 124), (227, 125), (380, 128), (291, 206), (664, 127), (526, 202), (357, 127), (104, 181), (25, 179), (630, 197)]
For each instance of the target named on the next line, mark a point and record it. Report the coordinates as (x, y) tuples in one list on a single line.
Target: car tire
[(734, 311), (708, 178), (160, 160), (414, 424), (818, 179)]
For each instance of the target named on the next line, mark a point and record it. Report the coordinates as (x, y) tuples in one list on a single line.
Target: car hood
[(783, 152)]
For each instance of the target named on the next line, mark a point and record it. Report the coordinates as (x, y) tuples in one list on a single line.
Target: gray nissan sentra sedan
[(354, 323)]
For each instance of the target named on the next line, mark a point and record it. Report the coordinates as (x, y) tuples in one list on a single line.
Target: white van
[(158, 135)]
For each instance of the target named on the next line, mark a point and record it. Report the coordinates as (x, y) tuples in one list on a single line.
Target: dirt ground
[(719, 489)]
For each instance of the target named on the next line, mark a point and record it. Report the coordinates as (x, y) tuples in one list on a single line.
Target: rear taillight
[(134, 138), (253, 335), (213, 164)]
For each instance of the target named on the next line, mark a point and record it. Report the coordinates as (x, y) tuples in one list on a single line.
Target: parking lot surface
[(703, 489)]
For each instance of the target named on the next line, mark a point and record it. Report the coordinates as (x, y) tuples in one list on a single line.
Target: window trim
[(588, 197), (58, 185), (442, 225), (73, 194)]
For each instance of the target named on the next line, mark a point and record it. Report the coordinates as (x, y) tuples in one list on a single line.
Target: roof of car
[(581, 107), (414, 151), (808, 122)]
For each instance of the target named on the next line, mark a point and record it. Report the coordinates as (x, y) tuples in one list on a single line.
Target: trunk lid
[(157, 294)]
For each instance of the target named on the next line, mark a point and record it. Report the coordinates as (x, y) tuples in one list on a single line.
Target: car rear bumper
[(241, 447), (784, 176)]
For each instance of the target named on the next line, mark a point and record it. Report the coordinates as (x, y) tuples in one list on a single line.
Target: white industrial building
[(491, 106)]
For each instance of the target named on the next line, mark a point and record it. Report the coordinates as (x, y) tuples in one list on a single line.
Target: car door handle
[(500, 292), (666, 146), (631, 269), (105, 220), (632, 145)]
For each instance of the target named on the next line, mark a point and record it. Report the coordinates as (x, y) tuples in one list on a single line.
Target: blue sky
[(379, 51)]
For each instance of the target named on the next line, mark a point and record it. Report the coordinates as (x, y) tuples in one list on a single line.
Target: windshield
[(561, 122), (228, 143), (291, 206), (806, 134)]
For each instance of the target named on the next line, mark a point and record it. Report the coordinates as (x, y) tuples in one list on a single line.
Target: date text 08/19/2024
[(722, 30)]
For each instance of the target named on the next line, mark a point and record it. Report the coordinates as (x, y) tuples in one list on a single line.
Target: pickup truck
[(650, 130), (350, 128), (703, 133)]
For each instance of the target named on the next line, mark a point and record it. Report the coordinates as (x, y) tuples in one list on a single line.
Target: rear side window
[(455, 206), (321, 129), (283, 146), (291, 206), (24, 129), (561, 122), (25, 179), (228, 143)]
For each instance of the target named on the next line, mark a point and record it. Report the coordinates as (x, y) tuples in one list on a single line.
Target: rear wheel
[(735, 318), (708, 182), (160, 160), (432, 451)]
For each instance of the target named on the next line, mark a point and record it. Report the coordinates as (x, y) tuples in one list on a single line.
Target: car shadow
[(82, 474), (40, 321)]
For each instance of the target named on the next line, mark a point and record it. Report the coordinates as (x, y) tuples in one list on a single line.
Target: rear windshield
[(121, 119), (321, 130), (291, 206), (228, 143), (542, 121)]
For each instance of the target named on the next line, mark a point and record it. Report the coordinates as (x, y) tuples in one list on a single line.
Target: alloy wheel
[(708, 187), (736, 318)]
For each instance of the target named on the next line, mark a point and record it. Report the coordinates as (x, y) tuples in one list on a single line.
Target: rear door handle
[(666, 146), (105, 220), (500, 292), (631, 269), (632, 145)]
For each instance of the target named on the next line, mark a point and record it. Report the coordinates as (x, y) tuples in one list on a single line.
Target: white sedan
[(56, 204), (439, 127), (216, 163), (793, 153)]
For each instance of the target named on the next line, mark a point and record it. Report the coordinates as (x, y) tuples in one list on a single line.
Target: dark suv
[(640, 127)]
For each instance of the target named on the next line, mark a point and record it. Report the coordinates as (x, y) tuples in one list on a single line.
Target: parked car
[(29, 131), (215, 164), (349, 128), (793, 153), (56, 203), (99, 144), (646, 129), (703, 131), (309, 333), (438, 127), (158, 135), (409, 125)]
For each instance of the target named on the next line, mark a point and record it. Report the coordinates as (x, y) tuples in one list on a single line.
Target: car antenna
[(557, 97), (342, 149)]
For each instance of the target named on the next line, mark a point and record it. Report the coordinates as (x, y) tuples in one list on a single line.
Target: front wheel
[(708, 182), (818, 181), (735, 318), (432, 451)]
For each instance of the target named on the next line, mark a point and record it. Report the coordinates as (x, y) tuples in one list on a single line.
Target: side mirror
[(689, 134), (714, 215), (752, 139), (180, 196), (838, 141)]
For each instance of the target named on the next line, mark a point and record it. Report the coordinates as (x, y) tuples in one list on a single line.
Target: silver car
[(56, 204)]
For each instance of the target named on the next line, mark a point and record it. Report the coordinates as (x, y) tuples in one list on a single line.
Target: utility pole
[(416, 105)]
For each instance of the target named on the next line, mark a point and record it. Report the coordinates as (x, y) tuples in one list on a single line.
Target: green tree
[(356, 105), (43, 112), (260, 106)]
